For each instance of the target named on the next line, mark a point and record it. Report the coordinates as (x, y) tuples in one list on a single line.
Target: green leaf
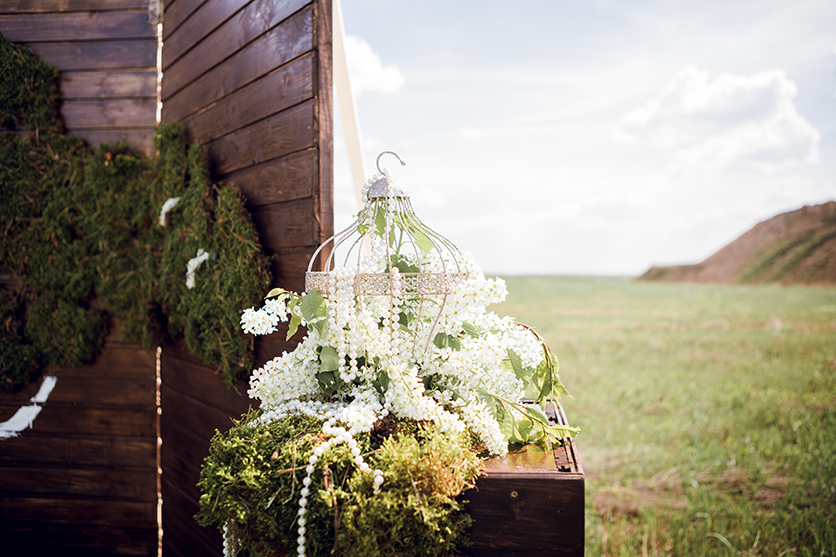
[(524, 428), (405, 318), (402, 264), (561, 431), (392, 236), (489, 399), (543, 378), (381, 384), (508, 425), (472, 330), (380, 220), (293, 326), (421, 239), (315, 311), (443, 340), (328, 359), (329, 381), (558, 386), (538, 412), (516, 363), (532, 390), (276, 292), (295, 320)]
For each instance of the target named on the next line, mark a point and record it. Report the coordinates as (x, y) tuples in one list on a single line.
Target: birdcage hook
[(377, 163)]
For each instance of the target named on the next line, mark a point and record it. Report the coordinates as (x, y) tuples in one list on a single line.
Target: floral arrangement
[(402, 336)]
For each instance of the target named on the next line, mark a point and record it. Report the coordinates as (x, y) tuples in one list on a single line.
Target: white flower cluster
[(263, 321), (417, 357)]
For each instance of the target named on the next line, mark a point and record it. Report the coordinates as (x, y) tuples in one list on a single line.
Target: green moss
[(29, 92), (64, 332), (18, 360), (79, 228), (252, 478)]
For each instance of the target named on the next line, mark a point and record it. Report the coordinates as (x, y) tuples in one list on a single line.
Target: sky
[(594, 138)]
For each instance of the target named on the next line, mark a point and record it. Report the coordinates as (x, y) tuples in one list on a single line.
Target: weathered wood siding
[(251, 81), (82, 480), (107, 53)]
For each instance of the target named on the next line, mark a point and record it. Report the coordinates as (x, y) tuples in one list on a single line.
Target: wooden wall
[(251, 81), (107, 53), (82, 480)]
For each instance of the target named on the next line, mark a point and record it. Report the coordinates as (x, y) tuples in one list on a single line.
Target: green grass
[(708, 412)]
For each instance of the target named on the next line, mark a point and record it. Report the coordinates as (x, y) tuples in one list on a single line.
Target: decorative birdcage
[(390, 253)]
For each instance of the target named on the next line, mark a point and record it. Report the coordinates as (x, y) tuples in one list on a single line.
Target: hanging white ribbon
[(192, 266)]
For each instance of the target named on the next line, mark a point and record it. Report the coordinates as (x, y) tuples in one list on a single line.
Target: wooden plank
[(78, 450), (80, 26), (176, 13), (533, 489), (132, 514), (96, 390), (324, 119), (201, 382), (289, 266), (120, 360), (182, 458), (246, 26), (118, 113), (286, 225), (203, 21), (271, 138), (194, 415), (140, 139), (282, 44), (70, 420), (108, 483), (108, 84), (182, 533), (507, 510), (87, 55), (45, 539), (42, 6), (276, 181), (271, 94)]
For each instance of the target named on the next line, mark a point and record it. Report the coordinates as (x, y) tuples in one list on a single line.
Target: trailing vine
[(81, 241)]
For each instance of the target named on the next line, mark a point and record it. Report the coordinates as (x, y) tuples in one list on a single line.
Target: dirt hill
[(798, 247)]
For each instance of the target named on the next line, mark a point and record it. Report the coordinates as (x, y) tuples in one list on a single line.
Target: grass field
[(708, 412)]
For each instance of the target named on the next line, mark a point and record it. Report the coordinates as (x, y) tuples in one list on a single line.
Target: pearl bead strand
[(338, 435)]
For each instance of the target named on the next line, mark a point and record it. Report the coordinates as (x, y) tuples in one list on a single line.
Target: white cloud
[(726, 120), (367, 70), (470, 133)]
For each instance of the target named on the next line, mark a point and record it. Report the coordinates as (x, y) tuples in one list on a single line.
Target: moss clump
[(79, 228), (209, 217), (63, 332), (18, 360), (253, 475), (29, 93)]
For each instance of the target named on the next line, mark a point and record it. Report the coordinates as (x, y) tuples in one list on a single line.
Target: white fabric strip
[(25, 415)]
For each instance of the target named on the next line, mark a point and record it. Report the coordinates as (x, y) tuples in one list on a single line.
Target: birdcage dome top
[(387, 236)]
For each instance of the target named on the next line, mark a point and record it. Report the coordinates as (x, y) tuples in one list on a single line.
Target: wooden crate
[(529, 503)]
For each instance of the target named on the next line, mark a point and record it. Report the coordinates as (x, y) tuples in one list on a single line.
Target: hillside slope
[(798, 247)]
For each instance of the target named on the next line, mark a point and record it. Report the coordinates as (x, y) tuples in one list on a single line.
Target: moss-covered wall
[(80, 230)]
